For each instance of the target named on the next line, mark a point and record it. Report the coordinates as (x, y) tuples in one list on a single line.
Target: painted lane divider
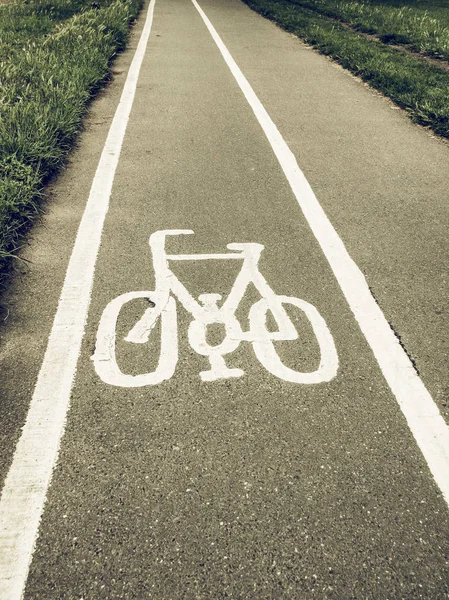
[(29, 476), (423, 417), (205, 313)]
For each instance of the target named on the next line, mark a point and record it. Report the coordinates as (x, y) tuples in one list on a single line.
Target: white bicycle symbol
[(204, 313)]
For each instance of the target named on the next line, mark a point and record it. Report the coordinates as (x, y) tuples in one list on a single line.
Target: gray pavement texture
[(251, 487)]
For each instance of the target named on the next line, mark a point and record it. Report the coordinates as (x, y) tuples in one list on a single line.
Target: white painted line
[(417, 405), (26, 484)]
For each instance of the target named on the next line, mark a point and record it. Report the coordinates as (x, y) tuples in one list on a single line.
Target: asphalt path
[(249, 486)]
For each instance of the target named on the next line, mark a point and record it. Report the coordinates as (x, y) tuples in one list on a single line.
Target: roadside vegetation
[(423, 27), (54, 56), (412, 83)]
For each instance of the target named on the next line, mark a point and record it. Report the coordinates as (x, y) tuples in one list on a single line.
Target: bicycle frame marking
[(205, 312)]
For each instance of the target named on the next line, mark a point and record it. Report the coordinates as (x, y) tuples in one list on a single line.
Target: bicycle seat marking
[(205, 311)]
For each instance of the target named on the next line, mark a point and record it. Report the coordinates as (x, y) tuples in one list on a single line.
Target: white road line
[(417, 405), (27, 481)]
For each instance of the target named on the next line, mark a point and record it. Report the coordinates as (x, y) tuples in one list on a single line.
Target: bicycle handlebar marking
[(205, 312)]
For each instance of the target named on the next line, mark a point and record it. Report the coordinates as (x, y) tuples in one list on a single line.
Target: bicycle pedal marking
[(205, 312)]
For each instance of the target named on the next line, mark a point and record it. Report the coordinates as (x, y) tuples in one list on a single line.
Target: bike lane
[(240, 487), (382, 181)]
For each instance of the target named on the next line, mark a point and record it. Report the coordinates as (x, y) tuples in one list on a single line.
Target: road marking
[(26, 484), (205, 313), (422, 415)]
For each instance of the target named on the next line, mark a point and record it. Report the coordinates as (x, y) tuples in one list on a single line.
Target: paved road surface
[(287, 469)]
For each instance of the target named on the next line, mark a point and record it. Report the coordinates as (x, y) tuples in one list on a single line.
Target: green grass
[(421, 25), (420, 88), (54, 56)]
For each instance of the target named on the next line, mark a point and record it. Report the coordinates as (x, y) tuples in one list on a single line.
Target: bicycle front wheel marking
[(104, 358)]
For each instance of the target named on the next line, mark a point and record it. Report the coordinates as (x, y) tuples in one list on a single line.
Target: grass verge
[(54, 56), (420, 88), (423, 28)]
